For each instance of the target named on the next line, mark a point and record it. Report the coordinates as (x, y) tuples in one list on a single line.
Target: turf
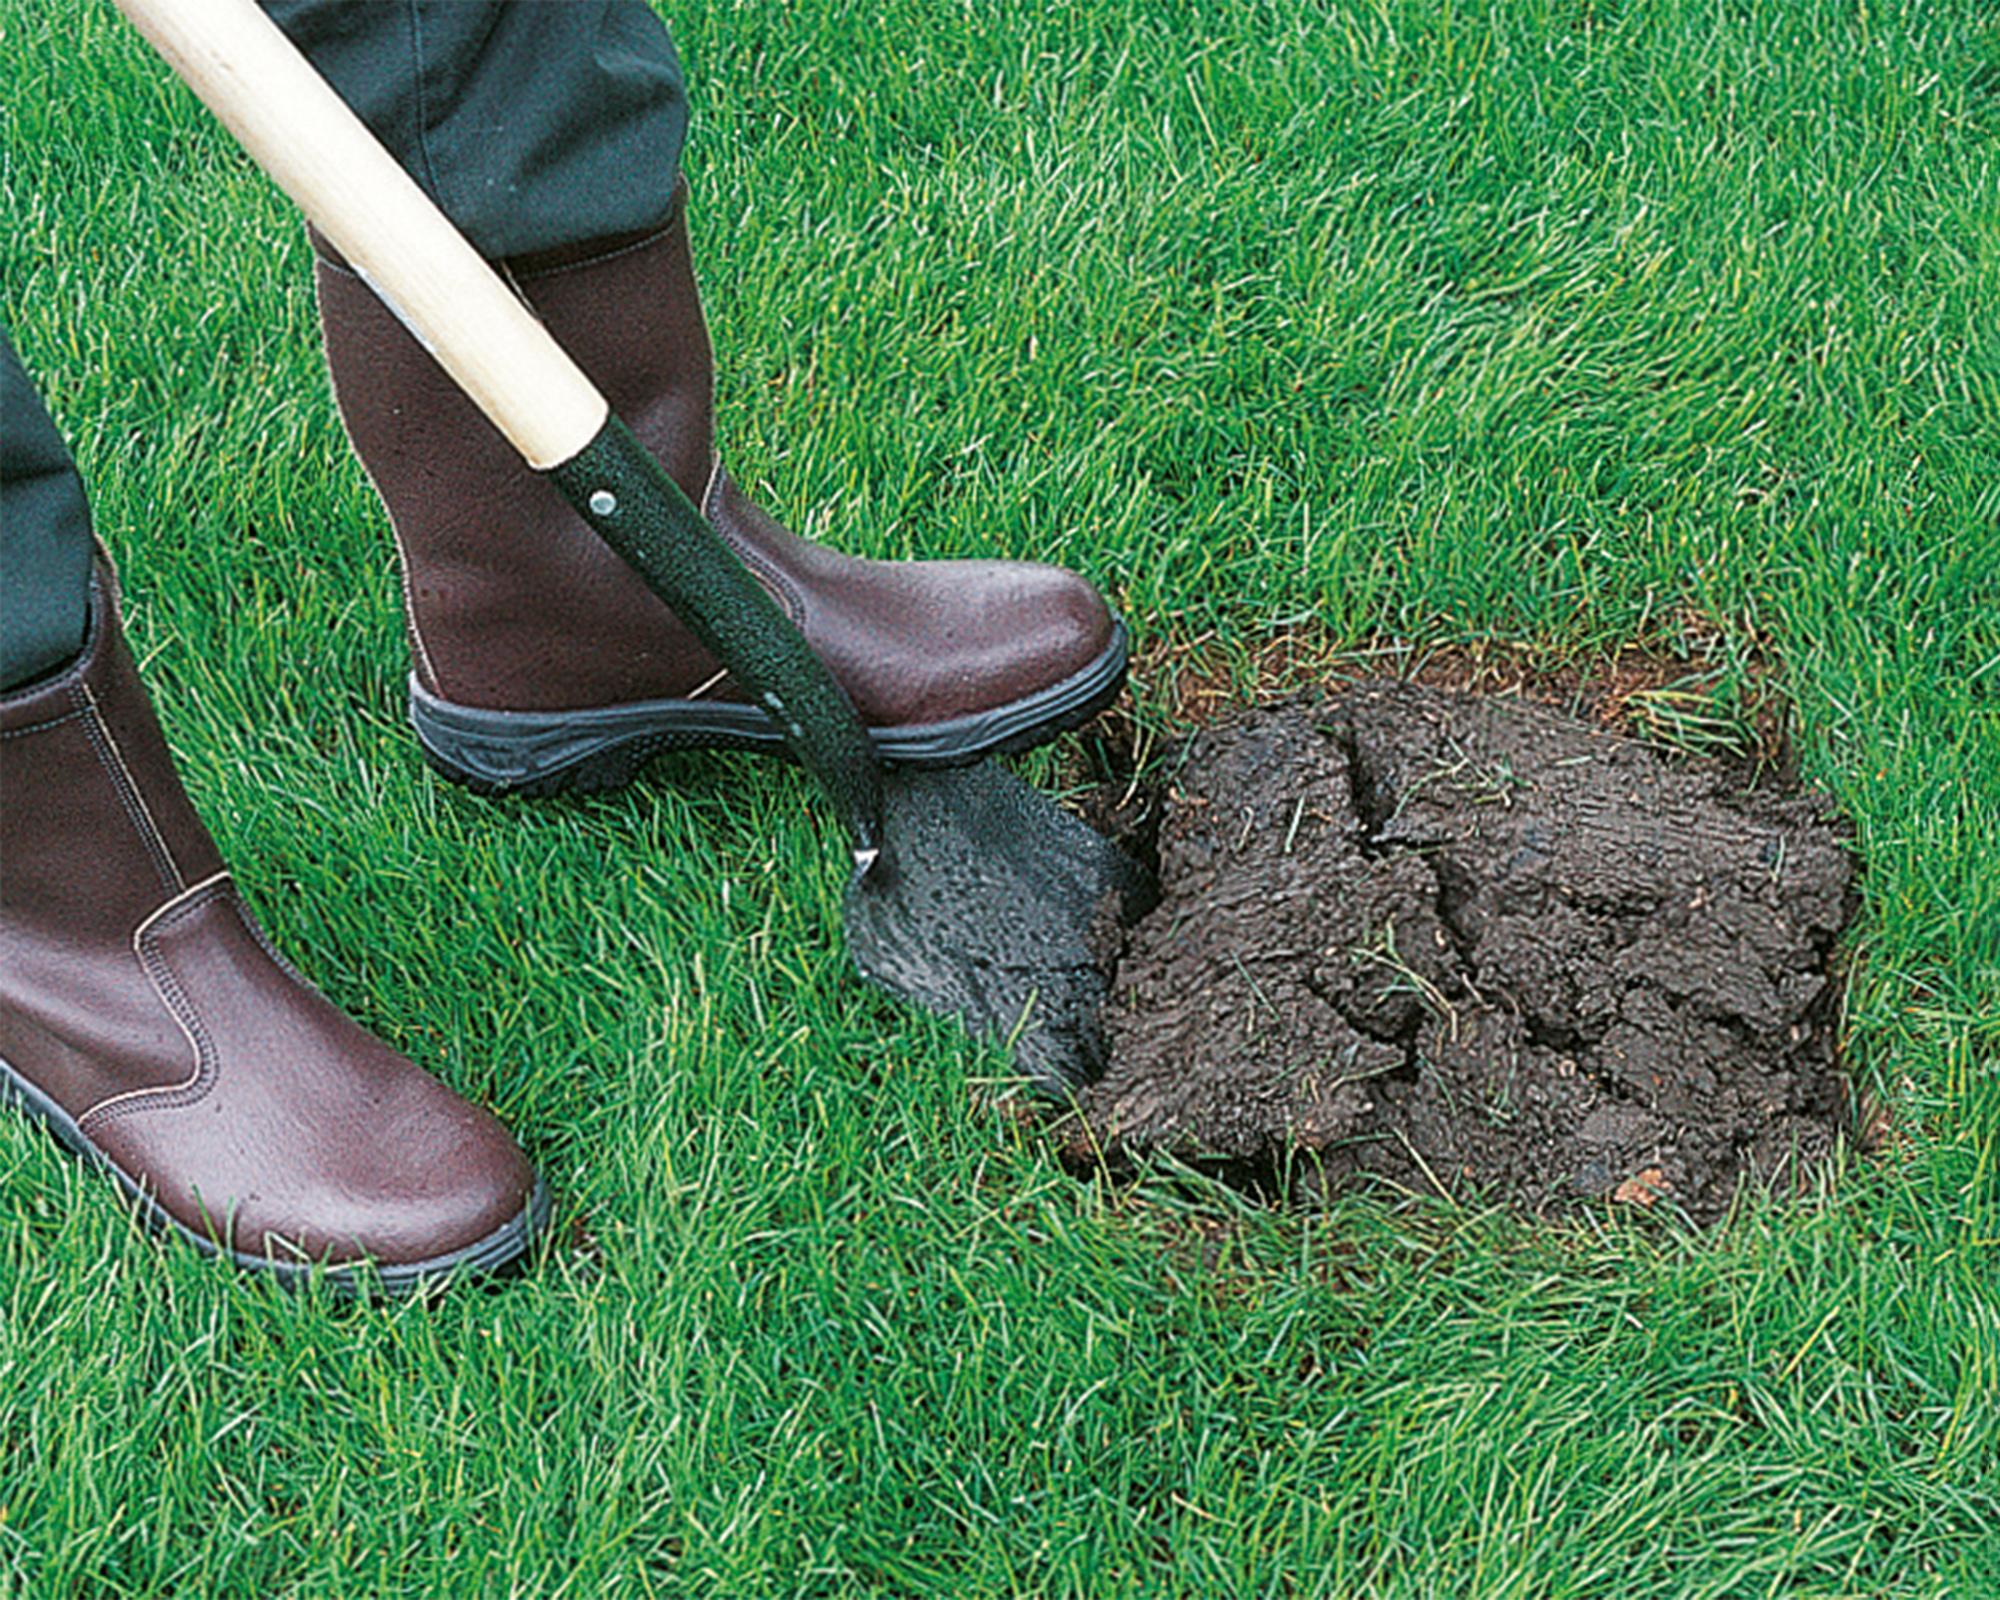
[(1554, 326)]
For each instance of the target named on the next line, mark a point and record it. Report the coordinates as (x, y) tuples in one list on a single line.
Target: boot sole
[(536, 753), (499, 1249)]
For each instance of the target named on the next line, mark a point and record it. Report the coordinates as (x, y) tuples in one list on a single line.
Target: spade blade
[(990, 903)]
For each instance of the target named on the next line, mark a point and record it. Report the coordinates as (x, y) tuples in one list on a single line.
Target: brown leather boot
[(144, 1018), (542, 663)]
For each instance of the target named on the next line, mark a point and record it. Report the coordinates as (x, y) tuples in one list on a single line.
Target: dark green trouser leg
[(533, 126), (44, 535)]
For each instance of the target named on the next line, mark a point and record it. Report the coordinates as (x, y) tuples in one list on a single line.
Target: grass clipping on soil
[(1469, 945)]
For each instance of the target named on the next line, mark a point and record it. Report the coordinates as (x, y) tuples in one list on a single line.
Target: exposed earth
[(1463, 944)]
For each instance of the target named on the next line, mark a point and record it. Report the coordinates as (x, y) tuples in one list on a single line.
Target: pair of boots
[(142, 1014)]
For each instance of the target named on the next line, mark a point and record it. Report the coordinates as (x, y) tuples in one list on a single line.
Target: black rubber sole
[(497, 1251), (536, 753)]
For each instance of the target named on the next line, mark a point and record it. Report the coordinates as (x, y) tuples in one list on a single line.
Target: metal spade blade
[(990, 903)]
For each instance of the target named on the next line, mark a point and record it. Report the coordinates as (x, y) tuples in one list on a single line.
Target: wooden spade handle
[(299, 131)]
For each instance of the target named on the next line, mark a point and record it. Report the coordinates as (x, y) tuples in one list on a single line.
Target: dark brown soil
[(1469, 945)]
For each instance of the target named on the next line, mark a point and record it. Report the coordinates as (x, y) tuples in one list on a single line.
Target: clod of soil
[(1468, 945)]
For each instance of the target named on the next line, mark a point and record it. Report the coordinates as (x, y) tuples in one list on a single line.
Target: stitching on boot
[(180, 1006), (772, 576), (113, 761), (535, 274), (70, 715), (426, 668), (263, 943)]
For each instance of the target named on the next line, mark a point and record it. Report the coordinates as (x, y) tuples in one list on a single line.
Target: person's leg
[(540, 662), (533, 126), (44, 536), (143, 1017)]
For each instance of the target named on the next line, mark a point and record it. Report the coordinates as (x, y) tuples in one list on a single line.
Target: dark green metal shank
[(639, 511)]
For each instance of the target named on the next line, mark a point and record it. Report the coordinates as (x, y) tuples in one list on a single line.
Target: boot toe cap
[(970, 639), (420, 1196), (298, 1137)]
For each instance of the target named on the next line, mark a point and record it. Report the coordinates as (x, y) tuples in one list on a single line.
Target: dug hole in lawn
[(1468, 945)]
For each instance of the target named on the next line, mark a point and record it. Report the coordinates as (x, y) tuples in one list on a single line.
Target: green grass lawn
[(1555, 324)]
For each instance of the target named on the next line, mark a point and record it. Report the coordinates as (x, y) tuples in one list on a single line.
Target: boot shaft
[(82, 759), (511, 601), (96, 837)]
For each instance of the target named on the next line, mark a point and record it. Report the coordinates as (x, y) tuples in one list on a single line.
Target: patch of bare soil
[(1471, 945)]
